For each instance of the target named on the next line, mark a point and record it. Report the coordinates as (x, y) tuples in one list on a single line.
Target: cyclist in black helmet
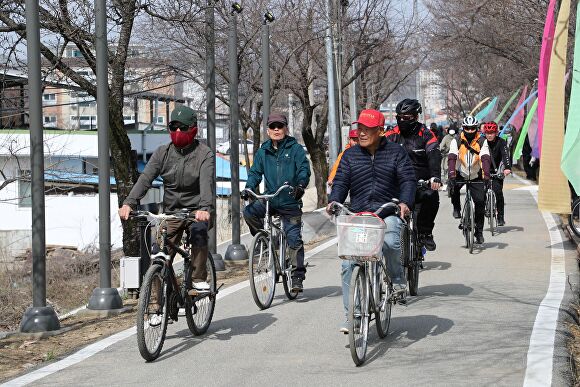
[(423, 148)]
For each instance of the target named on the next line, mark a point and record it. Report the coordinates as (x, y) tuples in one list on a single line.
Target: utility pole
[(352, 95), (333, 145), (104, 297), (268, 18), (235, 251), (39, 317)]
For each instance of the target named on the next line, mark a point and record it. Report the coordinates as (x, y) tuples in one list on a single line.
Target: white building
[(432, 96)]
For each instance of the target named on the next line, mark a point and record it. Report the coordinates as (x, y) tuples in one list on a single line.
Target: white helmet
[(470, 121)]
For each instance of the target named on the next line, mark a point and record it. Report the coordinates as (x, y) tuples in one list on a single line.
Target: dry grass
[(574, 347), (70, 283)]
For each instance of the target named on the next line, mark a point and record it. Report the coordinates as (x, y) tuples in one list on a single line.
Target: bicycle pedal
[(460, 226)]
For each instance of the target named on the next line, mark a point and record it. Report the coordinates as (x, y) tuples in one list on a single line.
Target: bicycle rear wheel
[(574, 218), (262, 271), (383, 304), (358, 315), (199, 308), (287, 281), (152, 313)]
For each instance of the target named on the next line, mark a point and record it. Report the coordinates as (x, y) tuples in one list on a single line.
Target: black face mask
[(407, 127), (470, 136)]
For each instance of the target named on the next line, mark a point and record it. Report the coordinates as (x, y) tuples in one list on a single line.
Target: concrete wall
[(14, 243)]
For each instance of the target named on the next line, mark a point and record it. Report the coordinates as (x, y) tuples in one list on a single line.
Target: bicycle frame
[(276, 231)]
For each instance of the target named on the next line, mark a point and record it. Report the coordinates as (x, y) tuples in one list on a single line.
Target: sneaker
[(444, 187), (155, 320), (297, 284), (344, 327), (428, 242), (456, 213), (201, 286), (479, 238), (399, 287), (500, 221)]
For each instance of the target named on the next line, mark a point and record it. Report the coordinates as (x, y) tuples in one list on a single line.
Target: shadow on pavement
[(490, 245), (318, 293), (440, 291), (223, 329), (405, 331), (508, 229), (435, 265)]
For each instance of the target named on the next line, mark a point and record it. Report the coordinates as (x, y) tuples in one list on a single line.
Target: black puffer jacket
[(374, 180)]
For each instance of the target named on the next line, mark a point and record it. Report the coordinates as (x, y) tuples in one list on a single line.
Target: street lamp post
[(235, 251), (39, 317), (268, 18)]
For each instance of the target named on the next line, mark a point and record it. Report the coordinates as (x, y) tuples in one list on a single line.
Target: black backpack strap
[(469, 147)]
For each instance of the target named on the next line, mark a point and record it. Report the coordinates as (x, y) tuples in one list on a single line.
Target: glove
[(451, 186), (298, 192), (244, 194)]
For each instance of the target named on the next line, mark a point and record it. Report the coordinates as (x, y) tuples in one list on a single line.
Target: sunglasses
[(470, 128), (173, 126), (276, 125), (406, 117)]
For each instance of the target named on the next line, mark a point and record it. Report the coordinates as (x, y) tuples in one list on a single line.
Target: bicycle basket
[(360, 238)]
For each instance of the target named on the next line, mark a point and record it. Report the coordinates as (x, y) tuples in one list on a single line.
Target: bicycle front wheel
[(383, 302), (358, 315), (491, 211), (465, 223), (471, 227), (152, 313), (262, 271), (574, 218), (199, 307)]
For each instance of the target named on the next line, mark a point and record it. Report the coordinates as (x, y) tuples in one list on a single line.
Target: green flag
[(524, 132), (571, 151), (507, 105)]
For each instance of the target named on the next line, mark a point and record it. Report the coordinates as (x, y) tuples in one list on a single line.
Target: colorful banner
[(507, 105), (486, 111), (553, 192), (520, 108), (545, 52), (524, 132), (570, 163), (517, 117), (478, 105)]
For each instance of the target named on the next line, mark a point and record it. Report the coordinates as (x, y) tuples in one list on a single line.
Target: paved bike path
[(471, 324)]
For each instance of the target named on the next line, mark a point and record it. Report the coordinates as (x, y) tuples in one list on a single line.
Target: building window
[(83, 122), (50, 121), (24, 189), (160, 120), (49, 98)]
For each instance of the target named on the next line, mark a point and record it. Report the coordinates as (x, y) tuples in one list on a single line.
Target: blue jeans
[(391, 252), (254, 214)]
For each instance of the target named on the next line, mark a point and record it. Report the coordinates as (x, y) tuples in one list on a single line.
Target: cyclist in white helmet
[(469, 159)]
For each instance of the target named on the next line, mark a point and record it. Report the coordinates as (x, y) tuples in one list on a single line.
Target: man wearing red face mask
[(187, 169)]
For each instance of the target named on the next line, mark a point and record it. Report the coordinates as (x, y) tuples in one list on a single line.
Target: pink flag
[(545, 53), (518, 120)]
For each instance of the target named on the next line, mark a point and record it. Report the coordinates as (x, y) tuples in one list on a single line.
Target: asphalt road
[(470, 325)]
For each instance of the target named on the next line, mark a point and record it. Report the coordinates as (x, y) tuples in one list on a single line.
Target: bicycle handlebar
[(181, 214), (268, 197), (336, 207)]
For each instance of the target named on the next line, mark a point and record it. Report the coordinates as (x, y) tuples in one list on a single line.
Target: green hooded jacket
[(288, 163)]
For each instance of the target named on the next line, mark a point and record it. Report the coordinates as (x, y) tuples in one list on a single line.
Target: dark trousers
[(254, 214), (477, 195), (497, 186), (198, 238), (427, 203)]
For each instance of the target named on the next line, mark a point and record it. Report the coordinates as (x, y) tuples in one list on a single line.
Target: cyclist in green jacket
[(281, 160)]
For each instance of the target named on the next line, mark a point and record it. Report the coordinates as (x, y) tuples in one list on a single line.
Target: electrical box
[(130, 273)]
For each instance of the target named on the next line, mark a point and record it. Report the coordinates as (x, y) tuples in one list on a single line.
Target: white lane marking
[(521, 180), (100, 345), (539, 367), (70, 360)]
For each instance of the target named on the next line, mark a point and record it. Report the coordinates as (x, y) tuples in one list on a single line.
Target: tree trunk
[(124, 167), (317, 156)]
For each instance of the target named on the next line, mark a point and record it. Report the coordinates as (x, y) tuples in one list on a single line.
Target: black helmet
[(409, 106)]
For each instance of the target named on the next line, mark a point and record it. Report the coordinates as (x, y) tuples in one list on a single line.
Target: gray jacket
[(188, 177)]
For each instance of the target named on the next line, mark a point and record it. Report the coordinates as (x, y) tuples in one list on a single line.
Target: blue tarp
[(80, 178)]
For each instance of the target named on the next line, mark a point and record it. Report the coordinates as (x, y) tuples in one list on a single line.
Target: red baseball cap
[(371, 118), (353, 133)]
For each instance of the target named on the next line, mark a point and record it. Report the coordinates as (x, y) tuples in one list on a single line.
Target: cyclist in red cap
[(352, 141), (500, 163)]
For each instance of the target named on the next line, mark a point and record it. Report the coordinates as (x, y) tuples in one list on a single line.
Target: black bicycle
[(161, 295), (573, 219), (269, 262), (467, 223), (412, 246), (491, 204)]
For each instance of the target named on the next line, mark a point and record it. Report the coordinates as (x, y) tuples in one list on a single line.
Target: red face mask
[(182, 139)]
